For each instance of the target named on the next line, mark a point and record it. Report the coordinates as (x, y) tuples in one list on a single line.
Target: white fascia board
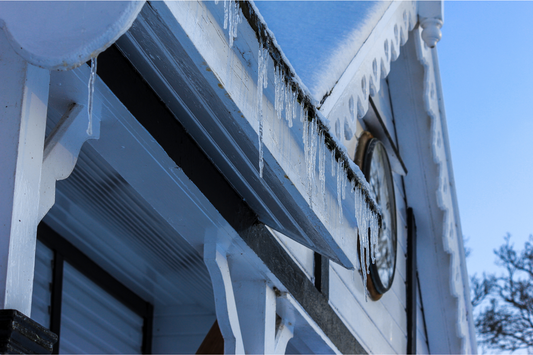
[(181, 50)]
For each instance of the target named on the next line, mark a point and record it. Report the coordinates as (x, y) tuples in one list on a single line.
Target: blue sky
[(486, 57)]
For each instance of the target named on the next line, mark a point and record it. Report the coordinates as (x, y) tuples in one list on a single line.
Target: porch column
[(23, 107)]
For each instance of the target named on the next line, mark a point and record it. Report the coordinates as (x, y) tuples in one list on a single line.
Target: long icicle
[(262, 82), (90, 98)]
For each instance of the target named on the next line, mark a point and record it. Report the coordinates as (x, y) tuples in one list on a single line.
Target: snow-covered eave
[(267, 39), (211, 82)]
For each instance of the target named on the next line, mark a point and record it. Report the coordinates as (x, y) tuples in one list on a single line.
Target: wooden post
[(23, 108)]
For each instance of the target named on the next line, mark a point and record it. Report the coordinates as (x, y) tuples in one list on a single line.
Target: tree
[(504, 304)]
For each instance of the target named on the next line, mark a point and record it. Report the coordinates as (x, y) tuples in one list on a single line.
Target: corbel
[(61, 150)]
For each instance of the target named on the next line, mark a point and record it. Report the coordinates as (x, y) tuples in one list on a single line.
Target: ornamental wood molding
[(349, 99), (445, 199)]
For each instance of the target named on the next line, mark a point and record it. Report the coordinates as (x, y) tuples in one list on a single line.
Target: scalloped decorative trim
[(349, 101), (444, 196)]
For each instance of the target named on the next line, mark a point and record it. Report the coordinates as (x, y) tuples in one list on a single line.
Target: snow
[(320, 38)]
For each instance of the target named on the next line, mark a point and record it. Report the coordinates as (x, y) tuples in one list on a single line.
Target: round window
[(372, 158)]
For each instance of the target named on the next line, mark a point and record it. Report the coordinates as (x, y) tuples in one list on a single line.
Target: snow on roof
[(320, 38)]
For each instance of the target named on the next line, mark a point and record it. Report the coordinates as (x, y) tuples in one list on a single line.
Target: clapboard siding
[(369, 321), (422, 347), (180, 329)]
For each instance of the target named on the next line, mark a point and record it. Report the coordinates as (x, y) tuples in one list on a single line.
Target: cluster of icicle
[(315, 149), (367, 221), (232, 18), (287, 107)]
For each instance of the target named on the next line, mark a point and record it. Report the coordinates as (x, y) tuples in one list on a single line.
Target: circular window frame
[(363, 158)]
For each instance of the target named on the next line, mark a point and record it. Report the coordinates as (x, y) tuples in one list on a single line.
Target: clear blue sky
[(486, 62)]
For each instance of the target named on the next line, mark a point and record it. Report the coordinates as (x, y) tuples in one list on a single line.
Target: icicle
[(276, 90), (322, 167), (216, 2), (294, 105), (340, 171), (232, 18), (282, 90), (288, 104), (262, 82), (313, 136), (226, 13), (344, 182), (306, 149), (279, 91), (90, 99), (374, 230), (333, 163)]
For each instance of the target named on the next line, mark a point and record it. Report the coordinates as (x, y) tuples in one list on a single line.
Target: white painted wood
[(256, 305), (23, 104), (349, 98), (284, 333), (302, 255), (368, 321), (423, 143), (215, 258), (446, 199), (65, 34), (431, 14), (61, 150), (306, 329)]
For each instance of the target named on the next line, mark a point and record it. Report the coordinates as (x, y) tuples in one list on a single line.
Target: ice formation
[(90, 99), (317, 141), (262, 82), (232, 18)]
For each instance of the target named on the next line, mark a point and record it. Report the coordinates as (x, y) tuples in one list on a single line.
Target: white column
[(23, 106)]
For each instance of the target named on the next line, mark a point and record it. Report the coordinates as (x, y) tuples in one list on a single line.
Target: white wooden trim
[(23, 107)]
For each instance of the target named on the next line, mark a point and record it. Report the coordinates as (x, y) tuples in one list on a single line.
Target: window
[(89, 309)]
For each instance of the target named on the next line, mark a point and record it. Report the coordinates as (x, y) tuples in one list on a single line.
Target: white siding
[(92, 321), (41, 298)]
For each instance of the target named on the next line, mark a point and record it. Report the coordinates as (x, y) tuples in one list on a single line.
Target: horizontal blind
[(42, 294), (93, 321)]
